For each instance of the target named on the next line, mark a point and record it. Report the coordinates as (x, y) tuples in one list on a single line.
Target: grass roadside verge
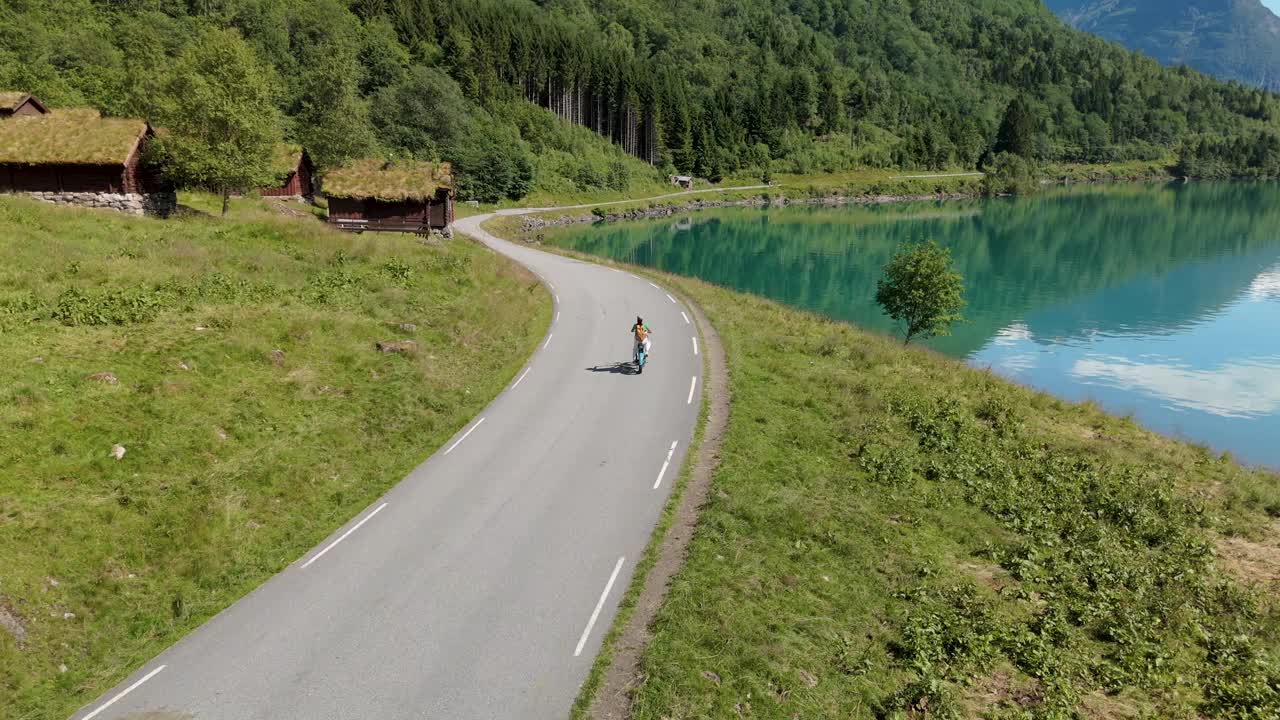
[(235, 364), (892, 534)]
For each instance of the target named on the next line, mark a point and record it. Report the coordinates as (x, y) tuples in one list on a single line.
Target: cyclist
[(641, 333)]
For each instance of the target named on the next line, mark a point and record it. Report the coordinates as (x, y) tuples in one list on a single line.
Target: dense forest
[(707, 87)]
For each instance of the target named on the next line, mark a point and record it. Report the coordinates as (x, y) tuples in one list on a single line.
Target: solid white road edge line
[(464, 436), (124, 692), (548, 342), (692, 384), (600, 604), (343, 537), (517, 382), (686, 318), (695, 345), (673, 300)]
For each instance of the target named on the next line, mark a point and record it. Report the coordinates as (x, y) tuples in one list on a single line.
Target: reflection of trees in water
[(1017, 256)]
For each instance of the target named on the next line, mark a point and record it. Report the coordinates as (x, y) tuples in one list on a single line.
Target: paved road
[(479, 586)]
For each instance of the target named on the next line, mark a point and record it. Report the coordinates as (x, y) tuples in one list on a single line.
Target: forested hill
[(707, 87), (1230, 39)]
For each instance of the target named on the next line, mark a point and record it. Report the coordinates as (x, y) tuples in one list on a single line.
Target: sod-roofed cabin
[(77, 157), (293, 167), (20, 104), (414, 197)]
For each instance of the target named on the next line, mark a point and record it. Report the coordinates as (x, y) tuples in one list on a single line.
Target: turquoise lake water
[(1159, 301)]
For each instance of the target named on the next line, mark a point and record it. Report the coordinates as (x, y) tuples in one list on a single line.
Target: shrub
[(1009, 174)]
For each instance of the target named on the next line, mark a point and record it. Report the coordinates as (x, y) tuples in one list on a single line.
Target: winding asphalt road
[(480, 585)]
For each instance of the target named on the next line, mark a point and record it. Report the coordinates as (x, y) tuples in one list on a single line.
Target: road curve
[(480, 585)]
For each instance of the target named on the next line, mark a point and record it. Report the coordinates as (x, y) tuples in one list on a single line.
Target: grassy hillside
[(234, 363), (893, 535)]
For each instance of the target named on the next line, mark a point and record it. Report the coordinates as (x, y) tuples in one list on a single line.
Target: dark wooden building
[(414, 197), (294, 168), (20, 104), (76, 156)]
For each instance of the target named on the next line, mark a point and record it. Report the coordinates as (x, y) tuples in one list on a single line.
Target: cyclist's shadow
[(618, 368)]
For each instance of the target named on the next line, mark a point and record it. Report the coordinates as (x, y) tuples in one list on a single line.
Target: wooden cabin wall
[(66, 178)]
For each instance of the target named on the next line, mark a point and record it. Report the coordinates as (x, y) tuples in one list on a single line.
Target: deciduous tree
[(218, 119), (922, 290)]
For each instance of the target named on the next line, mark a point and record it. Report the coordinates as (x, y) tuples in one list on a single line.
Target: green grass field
[(235, 364), (891, 534)]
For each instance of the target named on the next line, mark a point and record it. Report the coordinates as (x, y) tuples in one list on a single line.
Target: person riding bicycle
[(641, 333)]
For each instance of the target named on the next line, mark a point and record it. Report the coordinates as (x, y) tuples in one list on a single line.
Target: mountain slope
[(1229, 39)]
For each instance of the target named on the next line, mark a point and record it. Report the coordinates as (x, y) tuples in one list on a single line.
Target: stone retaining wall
[(160, 204)]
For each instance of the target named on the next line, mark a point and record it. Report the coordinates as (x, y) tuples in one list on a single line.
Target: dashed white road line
[(655, 287), (695, 345), (661, 472), (354, 528), (692, 384), (548, 342), (686, 318), (595, 614), (124, 692), (517, 382), (557, 316), (464, 436), (665, 464), (673, 300)]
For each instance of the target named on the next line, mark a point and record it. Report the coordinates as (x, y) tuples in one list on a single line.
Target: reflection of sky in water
[(1216, 379)]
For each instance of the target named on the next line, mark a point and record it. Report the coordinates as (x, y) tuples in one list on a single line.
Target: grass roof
[(10, 99), (407, 180), (78, 136), (284, 159)]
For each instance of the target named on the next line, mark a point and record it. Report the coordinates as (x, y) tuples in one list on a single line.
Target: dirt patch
[(1252, 560), (991, 576), (10, 624), (1100, 706), (612, 700), (1001, 689)]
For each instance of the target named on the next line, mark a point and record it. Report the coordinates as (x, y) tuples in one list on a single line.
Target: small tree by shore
[(922, 289)]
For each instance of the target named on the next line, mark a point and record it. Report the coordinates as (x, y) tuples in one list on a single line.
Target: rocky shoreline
[(533, 223)]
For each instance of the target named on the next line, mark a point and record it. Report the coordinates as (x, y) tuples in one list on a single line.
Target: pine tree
[(1017, 130)]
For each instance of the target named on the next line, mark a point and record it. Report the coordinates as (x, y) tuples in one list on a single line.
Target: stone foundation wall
[(160, 204)]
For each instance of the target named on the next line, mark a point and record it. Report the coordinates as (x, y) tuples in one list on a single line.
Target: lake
[(1156, 301)]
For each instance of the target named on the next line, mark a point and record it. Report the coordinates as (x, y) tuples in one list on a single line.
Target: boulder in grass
[(406, 347)]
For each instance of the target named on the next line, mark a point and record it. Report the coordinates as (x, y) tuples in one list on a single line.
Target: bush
[(1009, 174)]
